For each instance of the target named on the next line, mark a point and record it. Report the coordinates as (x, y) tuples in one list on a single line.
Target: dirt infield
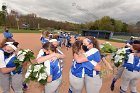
[(32, 42)]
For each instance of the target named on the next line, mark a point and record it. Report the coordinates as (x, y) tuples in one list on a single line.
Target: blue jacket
[(7, 34)]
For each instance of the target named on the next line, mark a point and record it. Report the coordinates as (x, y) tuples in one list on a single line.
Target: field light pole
[(4, 10), (17, 19)]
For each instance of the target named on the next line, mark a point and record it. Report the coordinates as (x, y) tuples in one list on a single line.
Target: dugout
[(98, 33)]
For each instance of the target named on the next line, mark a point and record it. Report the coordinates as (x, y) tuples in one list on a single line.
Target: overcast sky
[(78, 10)]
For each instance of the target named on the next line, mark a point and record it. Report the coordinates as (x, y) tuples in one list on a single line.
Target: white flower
[(27, 50), (118, 52), (19, 52), (120, 61), (117, 58), (30, 67), (124, 50), (21, 57), (27, 74), (37, 67), (42, 76), (101, 46), (36, 75), (121, 57), (24, 53), (107, 43)]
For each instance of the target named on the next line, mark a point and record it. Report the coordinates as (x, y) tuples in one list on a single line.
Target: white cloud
[(78, 10)]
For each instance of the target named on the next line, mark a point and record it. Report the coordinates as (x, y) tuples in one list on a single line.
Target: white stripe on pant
[(129, 78), (76, 84), (15, 81), (93, 84), (53, 86)]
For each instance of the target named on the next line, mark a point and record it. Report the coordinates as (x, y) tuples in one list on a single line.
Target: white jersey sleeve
[(41, 52), (47, 64), (2, 62)]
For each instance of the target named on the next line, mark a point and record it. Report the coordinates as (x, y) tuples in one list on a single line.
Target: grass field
[(114, 39), (122, 37), (21, 31)]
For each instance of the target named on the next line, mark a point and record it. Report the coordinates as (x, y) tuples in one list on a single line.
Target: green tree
[(2, 18), (106, 24), (118, 26), (125, 27)]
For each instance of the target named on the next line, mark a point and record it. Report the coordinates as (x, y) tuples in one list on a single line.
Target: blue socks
[(113, 84)]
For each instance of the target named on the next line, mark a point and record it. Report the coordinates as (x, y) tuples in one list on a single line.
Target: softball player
[(53, 70), (132, 70), (76, 75), (91, 68), (7, 67), (120, 70), (68, 38), (55, 43), (44, 38), (61, 36)]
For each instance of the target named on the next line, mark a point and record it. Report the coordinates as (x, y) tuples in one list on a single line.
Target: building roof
[(98, 31)]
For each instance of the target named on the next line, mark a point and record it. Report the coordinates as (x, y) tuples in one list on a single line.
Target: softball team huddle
[(85, 69)]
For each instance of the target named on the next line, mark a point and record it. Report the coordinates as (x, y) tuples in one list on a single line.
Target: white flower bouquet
[(119, 56), (24, 55), (36, 72), (107, 48)]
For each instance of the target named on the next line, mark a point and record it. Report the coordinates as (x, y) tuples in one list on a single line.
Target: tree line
[(31, 21)]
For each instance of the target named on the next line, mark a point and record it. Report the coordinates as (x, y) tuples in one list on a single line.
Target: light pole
[(17, 19), (4, 10)]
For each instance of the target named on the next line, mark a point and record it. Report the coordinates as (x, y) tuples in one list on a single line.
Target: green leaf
[(43, 82)]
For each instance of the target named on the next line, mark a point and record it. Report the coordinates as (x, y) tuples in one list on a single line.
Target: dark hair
[(131, 38), (136, 41), (136, 44), (15, 44), (94, 41), (55, 37), (76, 47), (2, 44), (48, 46)]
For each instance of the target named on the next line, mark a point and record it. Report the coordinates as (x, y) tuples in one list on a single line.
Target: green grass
[(122, 37), (37, 31), (21, 31), (111, 40)]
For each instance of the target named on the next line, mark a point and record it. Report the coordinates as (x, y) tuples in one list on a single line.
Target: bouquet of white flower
[(107, 48), (24, 55), (119, 56), (36, 72)]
